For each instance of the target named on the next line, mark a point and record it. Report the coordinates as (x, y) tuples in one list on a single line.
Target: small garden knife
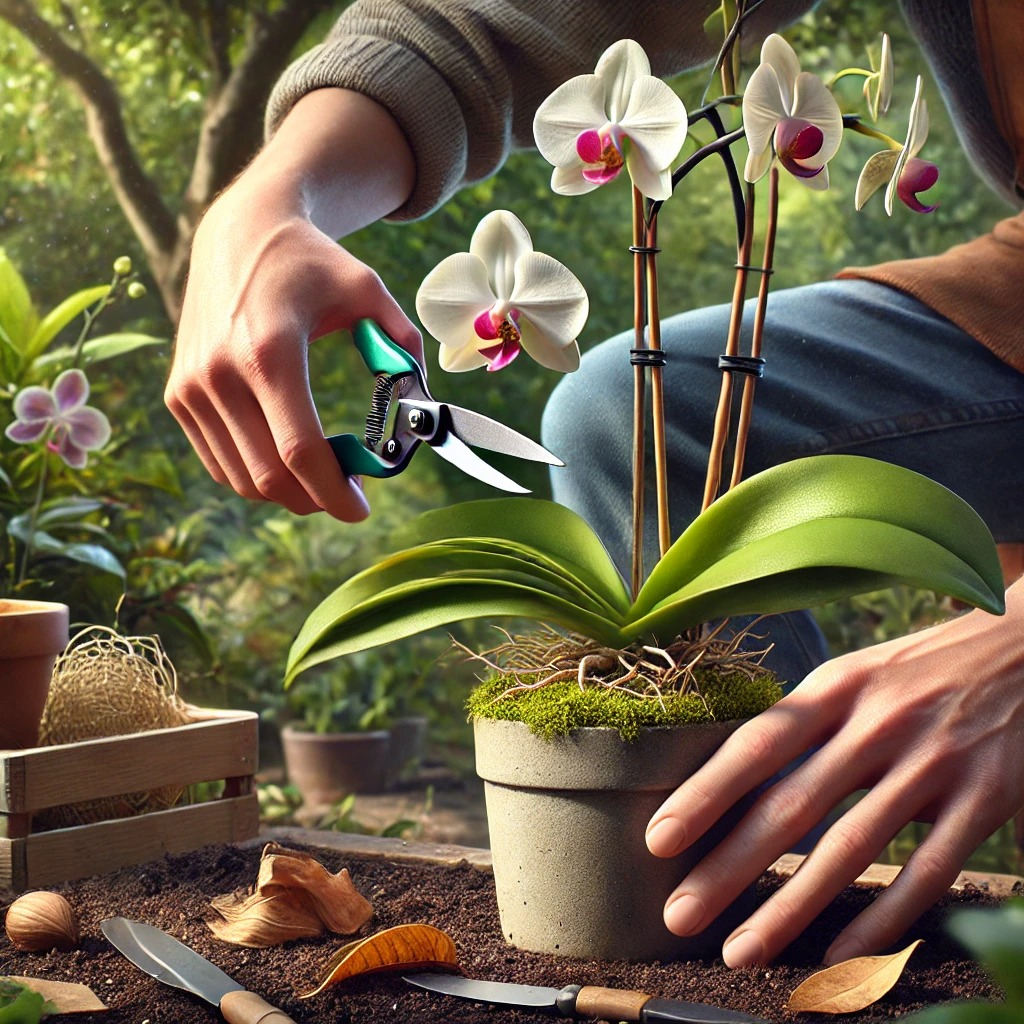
[(403, 414), (581, 1001), (172, 962)]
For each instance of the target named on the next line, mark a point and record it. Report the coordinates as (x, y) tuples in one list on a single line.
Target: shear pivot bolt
[(419, 421), (392, 447)]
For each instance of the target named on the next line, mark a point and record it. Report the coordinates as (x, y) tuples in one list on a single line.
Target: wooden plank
[(219, 747), (69, 853)]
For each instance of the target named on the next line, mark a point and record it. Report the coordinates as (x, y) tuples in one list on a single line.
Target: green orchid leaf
[(68, 510), (969, 1013), (18, 317), (426, 604), (59, 317), (553, 530), (809, 564), (819, 488), (110, 346)]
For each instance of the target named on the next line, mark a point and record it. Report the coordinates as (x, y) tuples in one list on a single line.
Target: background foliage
[(228, 582)]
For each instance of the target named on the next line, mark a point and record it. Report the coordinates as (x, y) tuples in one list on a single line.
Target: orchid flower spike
[(878, 86), (904, 171), (789, 113), (71, 428), (484, 305), (592, 126)]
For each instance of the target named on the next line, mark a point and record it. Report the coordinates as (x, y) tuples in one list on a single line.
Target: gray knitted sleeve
[(463, 78)]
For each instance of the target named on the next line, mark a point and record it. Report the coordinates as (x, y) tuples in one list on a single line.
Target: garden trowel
[(581, 1001), (172, 962)]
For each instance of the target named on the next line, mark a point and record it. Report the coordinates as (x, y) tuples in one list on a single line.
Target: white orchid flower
[(878, 85), (789, 113), (484, 305), (592, 126), (903, 172)]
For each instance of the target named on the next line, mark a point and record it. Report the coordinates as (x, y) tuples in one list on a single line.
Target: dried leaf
[(65, 996), (407, 945), (295, 897), (851, 985)]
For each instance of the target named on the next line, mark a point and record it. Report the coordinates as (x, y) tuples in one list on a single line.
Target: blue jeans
[(852, 367)]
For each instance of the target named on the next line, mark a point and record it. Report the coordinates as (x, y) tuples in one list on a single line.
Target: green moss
[(558, 708)]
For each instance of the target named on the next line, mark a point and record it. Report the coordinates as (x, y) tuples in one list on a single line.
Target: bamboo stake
[(750, 381), (657, 391), (639, 411), (721, 430)]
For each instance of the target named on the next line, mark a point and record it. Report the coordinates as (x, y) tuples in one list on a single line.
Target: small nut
[(39, 921)]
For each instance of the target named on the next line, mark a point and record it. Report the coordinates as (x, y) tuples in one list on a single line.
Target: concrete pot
[(567, 820), (32, 635), (408, 745), (327, 767)]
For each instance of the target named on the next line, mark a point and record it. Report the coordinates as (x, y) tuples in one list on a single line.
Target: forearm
[(342, 156)]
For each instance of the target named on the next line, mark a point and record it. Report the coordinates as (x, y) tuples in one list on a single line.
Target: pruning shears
[(403, 414)]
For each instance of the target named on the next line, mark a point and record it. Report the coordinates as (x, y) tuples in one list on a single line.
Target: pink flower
[(59, 414)]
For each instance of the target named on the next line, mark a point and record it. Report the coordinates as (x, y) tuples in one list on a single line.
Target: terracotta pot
[(327, 767), (567, 818), (32, 634), (408, 745)]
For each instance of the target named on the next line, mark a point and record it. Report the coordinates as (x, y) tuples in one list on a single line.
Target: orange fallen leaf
[(398, 948), (851, 985), (295, 897)]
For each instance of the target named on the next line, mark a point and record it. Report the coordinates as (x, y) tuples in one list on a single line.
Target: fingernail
[(665, 838), (684, 915), (846, 949), (743, 950)]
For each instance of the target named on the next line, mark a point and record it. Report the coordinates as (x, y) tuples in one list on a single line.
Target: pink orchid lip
[(918, 176), (500, 355), (601, 154), (797, 139), (486, 325), (589, 146)]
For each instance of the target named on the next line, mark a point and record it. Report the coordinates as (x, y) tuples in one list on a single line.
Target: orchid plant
[(800, 533), (43, 512)]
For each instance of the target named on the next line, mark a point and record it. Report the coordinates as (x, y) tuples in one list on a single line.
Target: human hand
[(265, 281), (932, 724)]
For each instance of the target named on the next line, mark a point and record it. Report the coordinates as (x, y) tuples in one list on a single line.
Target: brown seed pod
[(39, 921)]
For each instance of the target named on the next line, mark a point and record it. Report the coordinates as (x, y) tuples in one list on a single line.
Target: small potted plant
[(582, 730)]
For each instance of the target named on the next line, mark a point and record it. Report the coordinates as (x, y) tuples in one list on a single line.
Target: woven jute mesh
[(103, 685)]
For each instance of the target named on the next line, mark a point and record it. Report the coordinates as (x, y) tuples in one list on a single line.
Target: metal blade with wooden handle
[(581, 1001), (165, 958)]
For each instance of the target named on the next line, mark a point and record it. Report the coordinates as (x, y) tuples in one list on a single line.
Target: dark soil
[(173, 894)]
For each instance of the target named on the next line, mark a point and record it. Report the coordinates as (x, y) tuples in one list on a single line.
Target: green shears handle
[(381, 356)]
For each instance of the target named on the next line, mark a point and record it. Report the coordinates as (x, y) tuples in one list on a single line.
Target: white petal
[(886, 74), (34, 404), (574, 107), (757, 164), (459, 360), (819, 183), (652, 182), (762, 108), (535, 344), (914, 135), (569, 181), (551, 297), (451, 297), (876, 173), (618, 68), (499, 240), (777, 53), (655, 121), (813, 102)]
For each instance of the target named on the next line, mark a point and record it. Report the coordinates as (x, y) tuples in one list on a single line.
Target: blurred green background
[(106, 111)]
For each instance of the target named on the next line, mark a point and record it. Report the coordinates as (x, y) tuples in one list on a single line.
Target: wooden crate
[(215, 746)]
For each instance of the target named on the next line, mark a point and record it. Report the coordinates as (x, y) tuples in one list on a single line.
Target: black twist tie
[(647, 357), (645, 250), (767, 271), (752, 365)]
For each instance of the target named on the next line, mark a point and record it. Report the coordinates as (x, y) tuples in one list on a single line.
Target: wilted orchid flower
[(59, 414), (792, 113), (878, 85), (621, 115), (484, 305), (906, 173)]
